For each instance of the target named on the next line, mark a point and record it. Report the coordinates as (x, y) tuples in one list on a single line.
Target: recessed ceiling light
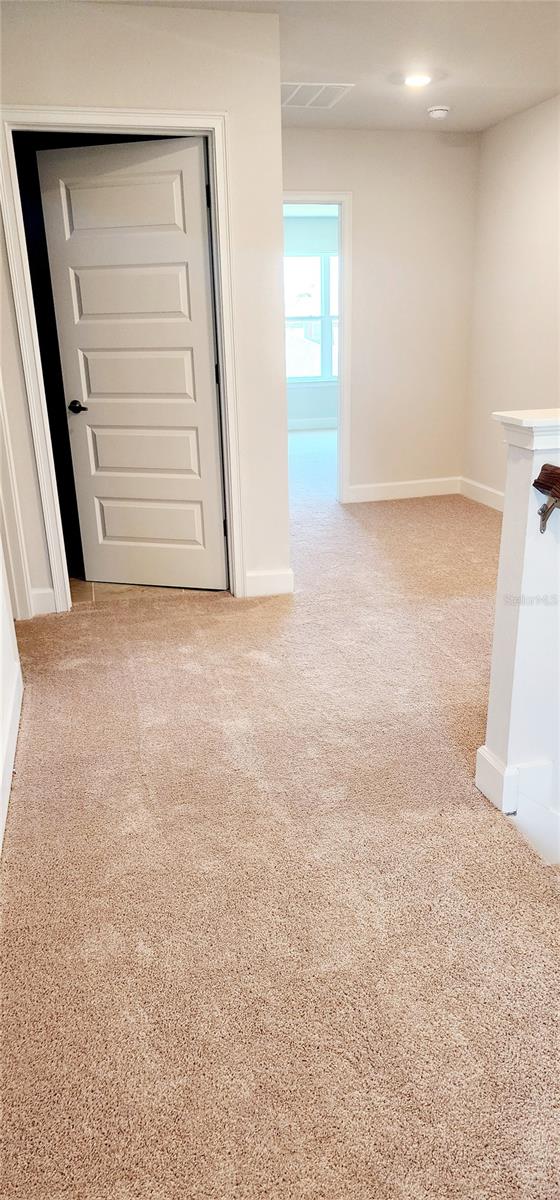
[(417, 81), (438, 112)]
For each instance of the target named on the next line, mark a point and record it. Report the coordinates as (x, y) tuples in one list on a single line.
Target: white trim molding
[(42, 601), (532, 428), (481, 493), (523, 792), (506, 785), (410, 489), (11, 522), (540, 824), (344, 201), (270, 583), (9, 742), (406, 489), (98, 120), (498, 782)]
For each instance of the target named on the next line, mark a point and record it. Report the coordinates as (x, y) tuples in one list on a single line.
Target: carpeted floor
[(263, 939)]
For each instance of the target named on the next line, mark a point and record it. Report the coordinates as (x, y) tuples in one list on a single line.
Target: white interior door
[(128, 242)]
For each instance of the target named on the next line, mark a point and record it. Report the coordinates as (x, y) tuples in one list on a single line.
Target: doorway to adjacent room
[(312, 298)]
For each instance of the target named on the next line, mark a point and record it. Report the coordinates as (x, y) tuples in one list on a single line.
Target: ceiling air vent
[(313, 95)]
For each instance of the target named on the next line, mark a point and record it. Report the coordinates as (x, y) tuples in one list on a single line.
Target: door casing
[(214, 126)]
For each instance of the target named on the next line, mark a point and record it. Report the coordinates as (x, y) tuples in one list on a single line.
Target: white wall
[(159, 57), (10, 695), (413, 205), (515, 342)]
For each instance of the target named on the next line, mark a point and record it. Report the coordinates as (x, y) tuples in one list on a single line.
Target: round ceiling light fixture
[(417, 80), (438, 112)]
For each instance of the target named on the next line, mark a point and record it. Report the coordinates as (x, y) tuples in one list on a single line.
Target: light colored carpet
[(263, 939)]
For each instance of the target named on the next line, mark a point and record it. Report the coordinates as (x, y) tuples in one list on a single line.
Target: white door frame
[(344, 201), (99, 120)]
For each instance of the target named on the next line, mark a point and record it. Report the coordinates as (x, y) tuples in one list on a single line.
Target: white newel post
[(518, 768)]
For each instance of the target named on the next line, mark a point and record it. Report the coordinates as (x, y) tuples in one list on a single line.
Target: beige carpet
[(263, 939)]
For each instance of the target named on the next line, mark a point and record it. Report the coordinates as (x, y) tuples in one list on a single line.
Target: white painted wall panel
[(516, 315), (413, 208)]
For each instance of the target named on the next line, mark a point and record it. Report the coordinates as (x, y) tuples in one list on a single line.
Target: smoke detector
[(313, 95), (439, 112)]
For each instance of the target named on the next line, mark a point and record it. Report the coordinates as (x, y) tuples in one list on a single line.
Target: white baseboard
[(481, 493), (42, 601), (514, 786), (9, 747), (410, 489), (269, 583), (523, 793), (496, 781), (308, 424), (407, 489), (540, 825)]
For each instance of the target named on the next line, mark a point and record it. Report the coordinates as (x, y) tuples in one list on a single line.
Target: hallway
[(263, 937)]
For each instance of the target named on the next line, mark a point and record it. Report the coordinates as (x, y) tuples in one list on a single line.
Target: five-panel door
[(127, 230)]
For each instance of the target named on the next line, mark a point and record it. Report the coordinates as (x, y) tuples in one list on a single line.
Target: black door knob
[(75, 406)]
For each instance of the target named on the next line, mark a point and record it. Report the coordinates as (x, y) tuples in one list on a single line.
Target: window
[(302, 286), (311, 300)]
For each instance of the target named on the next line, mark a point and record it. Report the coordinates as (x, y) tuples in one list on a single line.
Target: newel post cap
[(531, 428)]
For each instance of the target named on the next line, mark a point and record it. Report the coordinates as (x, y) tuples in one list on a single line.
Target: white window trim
[(94, 120)]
